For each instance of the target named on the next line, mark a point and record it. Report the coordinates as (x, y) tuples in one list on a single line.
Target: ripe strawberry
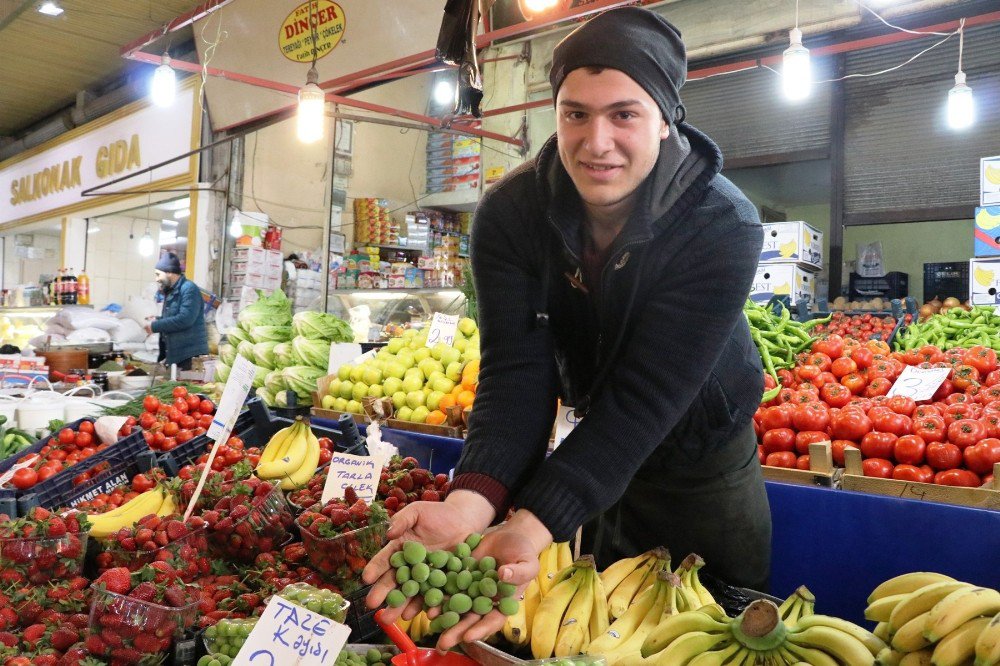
[(145, 591), (117, 580), (147, 643), (95, 645), (33, 633), (79, 620), (350, 495), (430, 496), (8, 639), (46, 659), (56, 527), (64, 638)]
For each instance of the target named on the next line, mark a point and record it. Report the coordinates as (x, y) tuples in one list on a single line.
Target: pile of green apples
[(406, 370)]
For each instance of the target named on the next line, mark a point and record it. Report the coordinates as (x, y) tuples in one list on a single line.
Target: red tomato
[(877, 467), (878, 445), (850, 424), (810, 416), (957, 398), (941, 455), (141, 483), (199, 431), (208, 407), (837, 447), (25, 478), (831, 345), (180, 404), (169, 444), (779, 416), (966, 432), (910, 450), (183, 436), (930, 354), (957, 412), (992, 422), (66, 436), (778, 440), (45, 473), (233, 456), (57, 454), (194, 402), (781, 459), (863, 356), (854, 382), (807, 372), (806, 437), (902, 405), (925, 410), (187, 421), (174, 414), (170, 429), (87, 427), (993, 378), (843, 366), (982, 359), (957, 477), (785, 395), (151, 404), (147, 420), (878, 386), (180, 392), (964, 376), (821, 360), (84, 439), (802, 463), (944, 390), (981, 457), (823, 379), (989, 394), (835, 395), (890, 421), (881, 369), (87, 451), (761, 456), (863, 404), (149, 436), (237, 444), (906, 472), (205, 421)]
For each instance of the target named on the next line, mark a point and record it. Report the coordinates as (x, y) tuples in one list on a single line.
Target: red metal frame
[(181, 21)]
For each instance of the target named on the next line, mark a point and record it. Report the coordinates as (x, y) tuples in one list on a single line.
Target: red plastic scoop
[(414, 656)]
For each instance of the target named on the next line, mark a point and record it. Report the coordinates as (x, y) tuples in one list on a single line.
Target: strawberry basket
[(185, 548), (131, 631), (241, 531), (42, 559), (341, 537)]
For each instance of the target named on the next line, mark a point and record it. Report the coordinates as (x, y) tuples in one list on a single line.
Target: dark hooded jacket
[(660, 355)]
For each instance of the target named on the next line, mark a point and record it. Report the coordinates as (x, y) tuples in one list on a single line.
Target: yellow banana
[(105, 524), (404, 625), (810, 655), (959, 646), (922, 600), (548, 617), (715, 611), (716, 657), (621, 597), (988, 644), (599, 615), (516, 628), (630, 648), (883, 631), (574, 630), (277, 443), (291, 457), (547, 569), (169, 506), (836, 643), (881, 609), (688, 646), (618, 571), (564, 556), (918, 658), (958, 608), (300, 477), (910, 637), (673, 627), (624, 627), (863, 636), (906, 583)]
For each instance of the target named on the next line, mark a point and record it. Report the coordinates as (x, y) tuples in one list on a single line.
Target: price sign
[(442, 329), (566, 420), (341, 353), (233, 396), (918, 383), (358, 472), (289, 634)]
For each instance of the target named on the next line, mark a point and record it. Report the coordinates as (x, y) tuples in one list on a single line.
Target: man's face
[(609, 131), (165, 280)]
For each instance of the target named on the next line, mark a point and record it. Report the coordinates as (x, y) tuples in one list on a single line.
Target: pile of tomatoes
[(860, 326), (166, 425), (63, 450), (837, 392)]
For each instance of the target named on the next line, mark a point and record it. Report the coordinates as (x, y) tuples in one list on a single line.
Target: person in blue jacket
[(182, 324)]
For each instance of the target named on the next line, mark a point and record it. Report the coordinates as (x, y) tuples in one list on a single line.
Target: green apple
[(412, 383), (421, 353), (357, 372), (404, 413), (439, 349), (359, 391), (467, 326), (391, 385), (419, 414), (340, 404), (470, 354), (409, 333), (437, 374), (415, 399), (394, 345), (474, 340), (429, 366), (434, 399), (344, 372), (395, 369), (383, 354), (399, 399), (334, 387), (454, 371), (449, 356), (443, 385), (327, 402), (406, 360), (376, 391), (346, 389), (460, 344), (354, 407), (373, 376)]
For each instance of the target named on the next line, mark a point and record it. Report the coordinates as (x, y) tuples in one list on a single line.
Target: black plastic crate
[(942, 280), (891, 285), (360, 619)]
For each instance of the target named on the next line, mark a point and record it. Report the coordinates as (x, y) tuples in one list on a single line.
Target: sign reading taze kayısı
[(53, 179)]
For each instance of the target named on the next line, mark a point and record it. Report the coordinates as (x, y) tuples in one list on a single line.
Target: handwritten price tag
[(919, 383), (442, 329), (566, 420), (233, 396), (358, 472), (290, 634)]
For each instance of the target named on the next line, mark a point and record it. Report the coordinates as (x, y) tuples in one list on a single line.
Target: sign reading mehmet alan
[(53, 179)]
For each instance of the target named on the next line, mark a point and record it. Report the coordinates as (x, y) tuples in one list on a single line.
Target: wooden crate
[(854, 479), (821, 471)]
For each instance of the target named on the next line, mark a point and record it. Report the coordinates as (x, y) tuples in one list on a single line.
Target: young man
[(611, 271), (182, 324)]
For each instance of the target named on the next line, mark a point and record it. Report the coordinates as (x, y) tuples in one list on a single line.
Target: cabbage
[(222, 372), (246, 350), (266, 396), (322, 326), (271, 334), (281, 399), (237, 335), (311, 352), (302, 380), (227, 354), (273, 310), (283, 355), (259, 374), (275, 381), (264, 354)]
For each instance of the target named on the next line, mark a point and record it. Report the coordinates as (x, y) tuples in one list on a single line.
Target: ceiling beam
[(20, 9)]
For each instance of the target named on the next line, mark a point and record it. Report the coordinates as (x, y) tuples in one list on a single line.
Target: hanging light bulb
[(146, 244), (236, 227), (796, 71), (961, 108), (444, 92), (164, 86), (536, 6), (312, 109)]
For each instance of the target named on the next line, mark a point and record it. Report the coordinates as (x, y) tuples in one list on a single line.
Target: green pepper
[(770, 395)]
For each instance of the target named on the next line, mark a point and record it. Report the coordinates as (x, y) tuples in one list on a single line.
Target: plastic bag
[(456, 45), (870, 260)]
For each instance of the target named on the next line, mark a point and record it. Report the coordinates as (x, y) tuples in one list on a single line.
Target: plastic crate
[(893, 285), (942, 280), (128, 457), (360, 619)]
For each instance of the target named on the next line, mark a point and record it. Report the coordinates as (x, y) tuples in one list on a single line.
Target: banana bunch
[(799, 604), (692, 595), (706, 637), (627, 579), (555, 558), (622, 642), (418, 628), (930, 618), (157, 500), (292, 456), (574, 610)]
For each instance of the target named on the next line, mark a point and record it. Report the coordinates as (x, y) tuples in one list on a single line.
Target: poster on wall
[(989, 181)]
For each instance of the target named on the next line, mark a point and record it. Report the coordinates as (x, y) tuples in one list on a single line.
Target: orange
[(471, 369), (446, 401), (465, 398), (437, 417)]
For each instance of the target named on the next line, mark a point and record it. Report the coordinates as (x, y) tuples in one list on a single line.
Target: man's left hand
[(149, 328)]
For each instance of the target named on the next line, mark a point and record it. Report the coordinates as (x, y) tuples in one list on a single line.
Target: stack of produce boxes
[(373, 222), (790, 260), (984, 269), (252, 269), (453, 163)]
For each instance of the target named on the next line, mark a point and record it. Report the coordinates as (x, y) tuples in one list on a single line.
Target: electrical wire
[(896, 27), (209, 52), (961, 41)]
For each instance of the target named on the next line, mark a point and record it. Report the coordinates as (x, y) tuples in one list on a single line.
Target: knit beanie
[(635, 41), (169, 263)]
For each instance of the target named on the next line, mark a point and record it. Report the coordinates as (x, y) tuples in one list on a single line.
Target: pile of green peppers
[(955, 328), (778, 338)]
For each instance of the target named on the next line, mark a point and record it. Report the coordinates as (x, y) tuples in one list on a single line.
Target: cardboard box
[(793, 242), (787, 279), (984, 281), (989, 181), (987, 231)]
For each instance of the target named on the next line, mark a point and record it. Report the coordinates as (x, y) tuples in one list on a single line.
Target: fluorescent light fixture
[(176, 204), (311, 114), (444, 92), (182, 213), (146, 244), (796, 72), (961, 108), (50, 8), (163, 88), (169, 223), (93, 230)]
